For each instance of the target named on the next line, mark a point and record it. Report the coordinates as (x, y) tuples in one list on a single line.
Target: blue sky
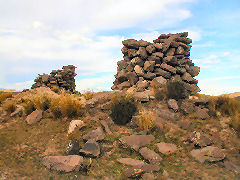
[(39, 36)]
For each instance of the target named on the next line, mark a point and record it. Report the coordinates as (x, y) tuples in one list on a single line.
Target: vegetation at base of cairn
[(67, 105), (146, 119), (176, 90), (122, 109)]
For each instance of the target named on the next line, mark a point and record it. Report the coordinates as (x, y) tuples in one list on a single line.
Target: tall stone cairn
[(165, 59), (62, 78)]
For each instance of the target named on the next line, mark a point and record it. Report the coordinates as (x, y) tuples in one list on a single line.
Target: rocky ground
[(184, 144)]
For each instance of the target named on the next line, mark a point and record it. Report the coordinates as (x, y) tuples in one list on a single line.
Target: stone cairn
[(62, 78), (167, 58)]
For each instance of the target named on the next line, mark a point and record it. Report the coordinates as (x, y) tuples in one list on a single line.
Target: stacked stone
[(62, 78), (165, 59)]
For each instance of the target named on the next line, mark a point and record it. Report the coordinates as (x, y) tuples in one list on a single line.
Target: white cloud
[(226, 53)]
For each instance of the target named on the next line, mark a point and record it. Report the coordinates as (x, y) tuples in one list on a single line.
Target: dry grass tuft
[(28, 106), (146, 119), (88, 95), (56, 89), (9, 106), (4, 96), (42, 101), (67, 105), (159, 93)]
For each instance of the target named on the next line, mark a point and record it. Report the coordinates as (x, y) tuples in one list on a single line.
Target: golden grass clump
[(4, 96), (67, 105), (56, 89), (146, 119), (88, 95), (9, 107), (42, 101)]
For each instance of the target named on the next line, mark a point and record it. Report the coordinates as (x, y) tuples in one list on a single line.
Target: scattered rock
[(166, 114), (185, 124), (75, 123), (137, 171), (202, 113), (95, 135), (141, 96), (166, 148), (148, 176), (105, 125), (137, 141), (172, 104), (18, 111), (150, 155), (209, 153), (159, 81), (200, 139), (34, 117), (63, 163), (231, 166), (91, 148), (130, 161)]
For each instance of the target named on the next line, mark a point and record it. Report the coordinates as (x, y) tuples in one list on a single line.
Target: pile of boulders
[(61, 78), (166, 58)]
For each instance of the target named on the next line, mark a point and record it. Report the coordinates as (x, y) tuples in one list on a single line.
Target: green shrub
[(9, 107), (176, 90), (4, 96), (122, 109), (28, 106), (67, 105)]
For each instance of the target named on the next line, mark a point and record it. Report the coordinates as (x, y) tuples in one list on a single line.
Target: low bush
[(42, 101), (176, 90), (67, 105), (122, 109), (146, 119), (9, 107), (4, 96)]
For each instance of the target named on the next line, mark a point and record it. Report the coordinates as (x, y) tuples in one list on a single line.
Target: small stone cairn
[(167, 57), (62, 78)]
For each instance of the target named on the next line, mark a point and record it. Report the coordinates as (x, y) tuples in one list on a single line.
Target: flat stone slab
[(200, 139), (130, 161), (63, 163), (91, 148), (209, 153), (95, 135), (166, 148), (150, 155), (137, 141), (137, 171)]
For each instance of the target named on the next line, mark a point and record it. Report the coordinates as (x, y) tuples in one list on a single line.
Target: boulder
[(139, 70), (209, 154), (168, 68), (161, 72), (193, 70), (166, 148), (202, 113), (34, 117), (63, 163), (137, 61), (149, 76), (149, 66), (137, 141), (141, 96), (159, 81), (142, 52), (151, 49), (75, 124)]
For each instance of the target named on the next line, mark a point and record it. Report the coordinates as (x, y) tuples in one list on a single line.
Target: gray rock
[(63, 163), (172, 104), (166, 114), (209, 154), (150, 155), (95, 135), (91, 148), (187, 107), (34, 117), (137, 141), (106, 127)]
